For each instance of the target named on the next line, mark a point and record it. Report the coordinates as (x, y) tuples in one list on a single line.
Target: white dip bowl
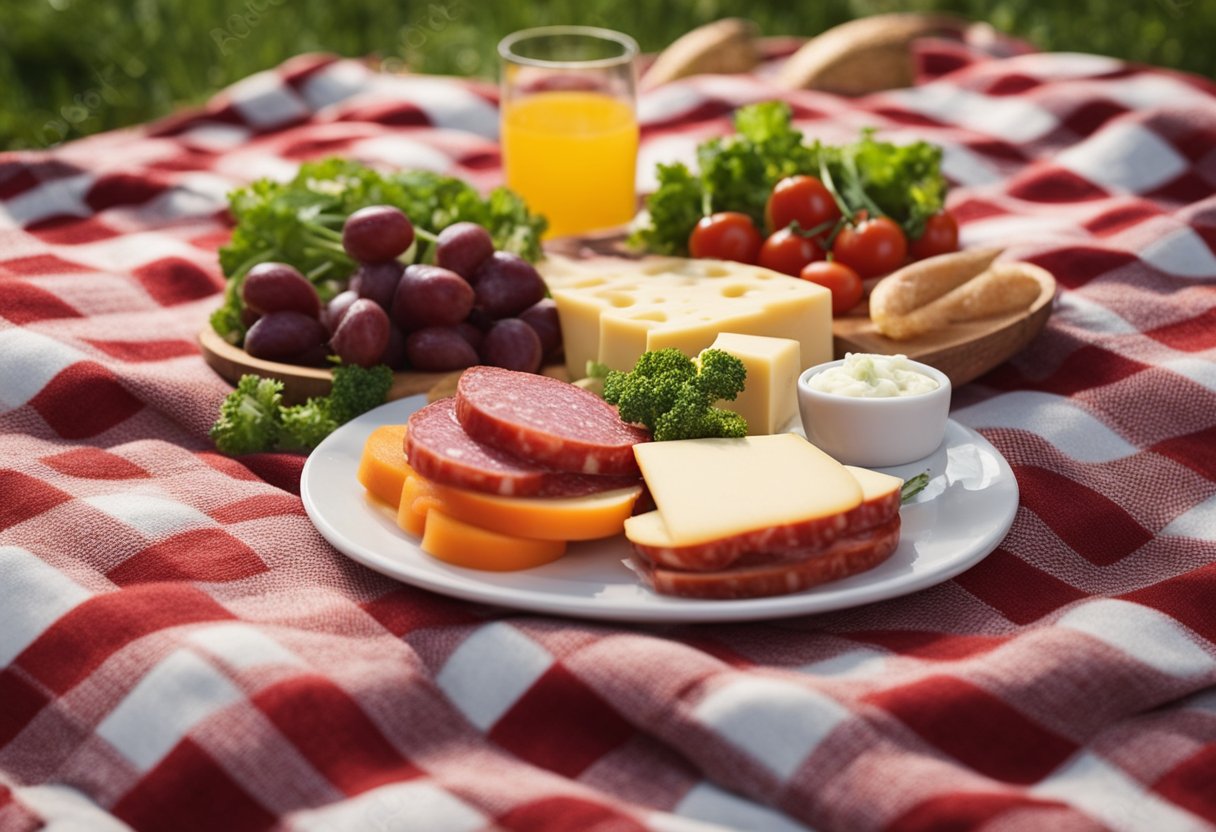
[(879, 431)]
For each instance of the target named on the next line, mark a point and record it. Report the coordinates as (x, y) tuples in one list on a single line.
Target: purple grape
[(337, 307), (431, 296), (377, 281), (280, 336), (507, 284), (316, 356), (542, 317), (439, 349), (471, 334), (463, 247), (377, 233), (362, 336), (394, 353), (278, 287), (512, 345), (249, 317)]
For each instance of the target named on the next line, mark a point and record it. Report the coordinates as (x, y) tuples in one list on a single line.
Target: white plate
[(958, 519)]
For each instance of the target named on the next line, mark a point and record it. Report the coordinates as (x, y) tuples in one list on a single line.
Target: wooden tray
[(299, 383), (961, 351)]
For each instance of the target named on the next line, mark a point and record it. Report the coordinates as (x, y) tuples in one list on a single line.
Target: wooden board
[(299, 383), (962, 351)]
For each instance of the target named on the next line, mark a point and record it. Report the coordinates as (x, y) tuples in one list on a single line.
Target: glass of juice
[(569, 125)]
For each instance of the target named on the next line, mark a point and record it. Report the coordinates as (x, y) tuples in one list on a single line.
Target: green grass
[(73, 67)]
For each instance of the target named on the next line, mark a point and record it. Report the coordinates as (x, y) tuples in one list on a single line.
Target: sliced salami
[(438, 448), (556, 424), (846, 556), (767, 545)]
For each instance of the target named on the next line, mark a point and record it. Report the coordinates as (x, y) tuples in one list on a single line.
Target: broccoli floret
[(253, 417), (357, 390), (249, 417), (673, 395), (305, 425), (720, 375)]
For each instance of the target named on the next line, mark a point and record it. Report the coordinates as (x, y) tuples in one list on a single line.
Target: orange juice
[(572, 157)]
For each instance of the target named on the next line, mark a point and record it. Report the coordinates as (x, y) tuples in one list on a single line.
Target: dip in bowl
[(876, 411)]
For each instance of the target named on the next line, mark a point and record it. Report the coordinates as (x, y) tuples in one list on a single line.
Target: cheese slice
[(649, 530), (617, 309), (769, 401), (586, 517), (706, 489)]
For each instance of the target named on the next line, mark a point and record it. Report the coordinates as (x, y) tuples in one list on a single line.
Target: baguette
[(952, 288)]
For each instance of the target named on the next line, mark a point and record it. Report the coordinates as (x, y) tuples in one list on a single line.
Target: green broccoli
[(357, 390), (673, 395), (254, 419), (249, 417), (305, 425)]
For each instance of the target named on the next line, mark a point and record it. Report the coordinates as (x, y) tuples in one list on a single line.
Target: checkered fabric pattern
[(181, 650)]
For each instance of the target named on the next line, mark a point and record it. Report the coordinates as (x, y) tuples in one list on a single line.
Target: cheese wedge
[(769, 401), (706, 489)]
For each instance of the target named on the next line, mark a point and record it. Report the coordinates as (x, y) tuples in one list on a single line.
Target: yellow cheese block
[(769, 401), (706, 489), (613, 311)]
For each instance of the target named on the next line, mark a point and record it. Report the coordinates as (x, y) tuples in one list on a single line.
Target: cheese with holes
[(769, 401), (612, 311), (706, 489)]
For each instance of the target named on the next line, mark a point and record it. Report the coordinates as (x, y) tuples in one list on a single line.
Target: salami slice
[(846, 556), (556, 424), (438, 448)]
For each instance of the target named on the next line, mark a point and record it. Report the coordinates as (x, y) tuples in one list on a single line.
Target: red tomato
[(940, 237), (801, 198), (872, 247), (727, 235), (787, 252), (843, 281)]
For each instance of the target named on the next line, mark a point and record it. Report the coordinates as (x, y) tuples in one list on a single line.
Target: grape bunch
[(474, 305)]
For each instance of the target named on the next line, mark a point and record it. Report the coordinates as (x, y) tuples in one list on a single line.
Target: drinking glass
[(569, 125)]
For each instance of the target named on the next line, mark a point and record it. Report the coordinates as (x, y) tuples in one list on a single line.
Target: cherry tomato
[(843, 281), (727, 235), (872, 247), (787, 252), (940, 237), (801, 198)]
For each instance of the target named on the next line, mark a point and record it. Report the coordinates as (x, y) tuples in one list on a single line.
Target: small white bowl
[(878, 432)]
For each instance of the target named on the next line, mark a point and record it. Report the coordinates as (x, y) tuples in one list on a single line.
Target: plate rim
[(660, 609)]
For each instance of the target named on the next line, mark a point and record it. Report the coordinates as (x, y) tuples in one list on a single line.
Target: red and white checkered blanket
[(181, 650)]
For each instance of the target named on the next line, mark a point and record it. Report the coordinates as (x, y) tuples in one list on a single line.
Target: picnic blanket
[(182, 650)]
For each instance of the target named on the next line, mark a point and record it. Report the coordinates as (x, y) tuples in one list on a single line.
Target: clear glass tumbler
[(569, 125)]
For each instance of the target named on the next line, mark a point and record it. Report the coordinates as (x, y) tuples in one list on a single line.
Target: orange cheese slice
[(382, 468), (463, 544), (543, 518), (383, 471)]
